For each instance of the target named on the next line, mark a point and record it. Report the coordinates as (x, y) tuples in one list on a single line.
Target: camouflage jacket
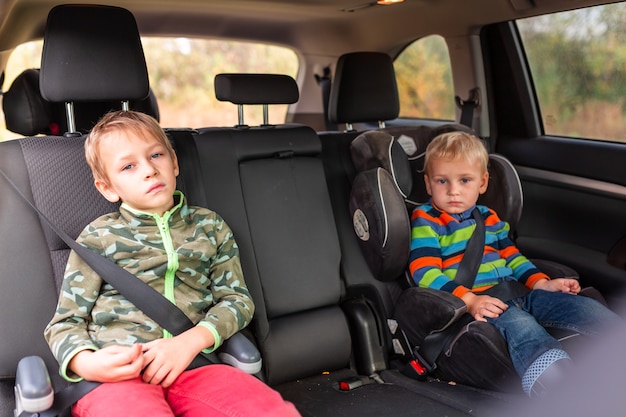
[(189, 255)]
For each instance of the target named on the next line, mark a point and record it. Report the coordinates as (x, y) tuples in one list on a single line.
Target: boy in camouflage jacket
[(186, 253)]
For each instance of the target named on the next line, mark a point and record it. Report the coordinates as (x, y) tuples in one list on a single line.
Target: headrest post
[(381, 124), (125, 105), (265, 115), (69, 112), (349, 127), (240, 114)]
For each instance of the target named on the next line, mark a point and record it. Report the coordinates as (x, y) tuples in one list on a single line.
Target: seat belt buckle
[(415, 370), (418, 368), (353, 383)]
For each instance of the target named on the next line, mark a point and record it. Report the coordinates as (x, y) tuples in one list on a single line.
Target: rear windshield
[(182, 71)]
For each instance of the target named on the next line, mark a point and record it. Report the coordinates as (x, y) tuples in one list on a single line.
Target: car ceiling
[(325, 27)]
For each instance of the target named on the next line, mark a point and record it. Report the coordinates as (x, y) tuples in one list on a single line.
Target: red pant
[(215, 390)]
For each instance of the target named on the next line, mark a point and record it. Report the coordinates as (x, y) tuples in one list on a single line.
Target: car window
[(578, 64), (424, 77), (182, 71)]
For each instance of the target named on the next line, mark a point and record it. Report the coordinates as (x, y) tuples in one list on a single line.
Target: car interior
[(301, 195)]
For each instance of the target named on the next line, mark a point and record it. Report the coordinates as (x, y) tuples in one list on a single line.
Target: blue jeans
[(523, 325)]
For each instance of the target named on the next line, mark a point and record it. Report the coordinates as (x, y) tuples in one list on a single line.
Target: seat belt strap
[(434, 343), (468, 268)]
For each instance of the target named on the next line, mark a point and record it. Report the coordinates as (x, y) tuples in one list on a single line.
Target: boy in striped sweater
[(455, 173)]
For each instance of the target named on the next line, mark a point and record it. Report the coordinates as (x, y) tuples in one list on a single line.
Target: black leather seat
[(458, 348), (464, 350)]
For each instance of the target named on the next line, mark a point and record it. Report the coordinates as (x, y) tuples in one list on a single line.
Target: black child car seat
[(447, 343)]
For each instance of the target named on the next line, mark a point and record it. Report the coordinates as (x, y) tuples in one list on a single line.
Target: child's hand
[(568, 285), (483, 306), (165, 359), (110, 364)]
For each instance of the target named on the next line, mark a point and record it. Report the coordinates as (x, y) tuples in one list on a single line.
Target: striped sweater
[(439, 239)]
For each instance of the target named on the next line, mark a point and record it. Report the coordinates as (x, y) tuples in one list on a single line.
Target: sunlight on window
[(578, 65), (424, 77)]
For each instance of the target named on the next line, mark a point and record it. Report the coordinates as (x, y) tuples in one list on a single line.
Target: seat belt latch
[(468, 106), (354, 383), (418, 368)]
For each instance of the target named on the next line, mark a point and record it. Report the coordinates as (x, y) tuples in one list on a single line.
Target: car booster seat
[(443, 341)]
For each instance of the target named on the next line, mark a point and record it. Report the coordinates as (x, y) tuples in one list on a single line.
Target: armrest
[(238, 351), (367, 338), (33, 388)]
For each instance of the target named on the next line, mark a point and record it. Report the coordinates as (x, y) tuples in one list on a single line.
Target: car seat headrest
[(379, 213), (381, 223), (375, 149), (364, 89), (27, 113), (256, 88), (414, 140), (504, 193), (92, 53)]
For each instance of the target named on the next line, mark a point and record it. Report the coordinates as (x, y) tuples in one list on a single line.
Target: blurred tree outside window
[(182, 71), (578, 64), (424, 78)]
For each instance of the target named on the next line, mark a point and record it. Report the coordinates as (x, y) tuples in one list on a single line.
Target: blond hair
[(454, 146), (141, 124)]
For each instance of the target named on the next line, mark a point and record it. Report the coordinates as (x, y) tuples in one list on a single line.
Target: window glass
[(578, 65), (182, 71), (424, 78)]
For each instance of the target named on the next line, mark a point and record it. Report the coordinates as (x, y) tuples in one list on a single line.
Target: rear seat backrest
[(272, 192), (52, 171)]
